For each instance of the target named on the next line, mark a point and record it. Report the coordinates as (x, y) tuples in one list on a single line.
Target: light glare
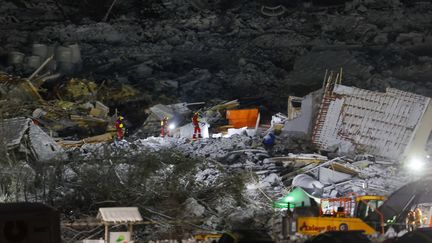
[(415, 164)]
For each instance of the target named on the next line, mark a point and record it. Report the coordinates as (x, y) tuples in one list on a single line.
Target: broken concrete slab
[(300, 120)]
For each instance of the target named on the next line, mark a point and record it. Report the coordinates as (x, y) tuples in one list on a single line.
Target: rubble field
[(70, 69)]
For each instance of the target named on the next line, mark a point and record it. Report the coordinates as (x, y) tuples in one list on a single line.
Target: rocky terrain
[(198, 50)]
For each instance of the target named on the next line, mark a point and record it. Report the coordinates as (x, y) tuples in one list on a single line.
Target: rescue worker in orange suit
[(164, 127), (120, 128), (410, 220), (197, 129), (418, 215)]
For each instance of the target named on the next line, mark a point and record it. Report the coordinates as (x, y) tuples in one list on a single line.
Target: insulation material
[(381, 124), (242, 118)]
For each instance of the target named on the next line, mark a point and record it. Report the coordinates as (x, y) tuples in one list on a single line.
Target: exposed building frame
[(383, 124)]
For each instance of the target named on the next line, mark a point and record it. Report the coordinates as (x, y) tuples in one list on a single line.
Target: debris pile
[(165, 52), (223, 119), (71, 110), (23, 140), (345, 120)]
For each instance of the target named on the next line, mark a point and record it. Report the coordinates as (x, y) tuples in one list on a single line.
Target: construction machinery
[(341, 214), (334, 214), (371, 214)]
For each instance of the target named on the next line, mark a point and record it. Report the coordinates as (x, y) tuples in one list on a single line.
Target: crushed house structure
[(391, 124), (178, 115), (24, 140)]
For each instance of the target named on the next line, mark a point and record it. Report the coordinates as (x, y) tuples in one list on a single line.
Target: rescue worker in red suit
[(120, 128), (197, 129), (164, 127)]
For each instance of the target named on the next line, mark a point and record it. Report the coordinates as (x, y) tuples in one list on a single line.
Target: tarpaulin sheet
[(242, 118)]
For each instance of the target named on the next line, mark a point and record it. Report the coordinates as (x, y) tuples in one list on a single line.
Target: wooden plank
[(86, 119), (341, 168), (95, 139)]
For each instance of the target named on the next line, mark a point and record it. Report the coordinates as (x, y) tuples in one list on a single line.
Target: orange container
[(242, 118)]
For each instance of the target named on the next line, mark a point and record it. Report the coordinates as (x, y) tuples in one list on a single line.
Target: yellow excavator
[(332, 214), (371, 214), (341, 214)]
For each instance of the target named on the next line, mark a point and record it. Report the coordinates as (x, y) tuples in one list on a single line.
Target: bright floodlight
[(171, 126), (415, 164), (289, 199)]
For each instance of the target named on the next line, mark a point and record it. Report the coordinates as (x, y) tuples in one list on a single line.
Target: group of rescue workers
[(120, 127), (268, 140), (414, 219)]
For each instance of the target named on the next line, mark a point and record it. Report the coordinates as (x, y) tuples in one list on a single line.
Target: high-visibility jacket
[(195, 120)]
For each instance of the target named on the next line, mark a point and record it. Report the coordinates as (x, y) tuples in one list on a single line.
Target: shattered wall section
[(12, 131), (302, 124), (381, 124)]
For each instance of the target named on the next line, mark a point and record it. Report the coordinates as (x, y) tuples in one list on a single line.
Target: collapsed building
[(221, 120), (176, 114), (387, 124), (22, 139), (74, 113)]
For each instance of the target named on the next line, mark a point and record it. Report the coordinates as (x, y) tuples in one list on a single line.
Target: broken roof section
[(119, 215), (12, 131), (382, 124), (24, 138)]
